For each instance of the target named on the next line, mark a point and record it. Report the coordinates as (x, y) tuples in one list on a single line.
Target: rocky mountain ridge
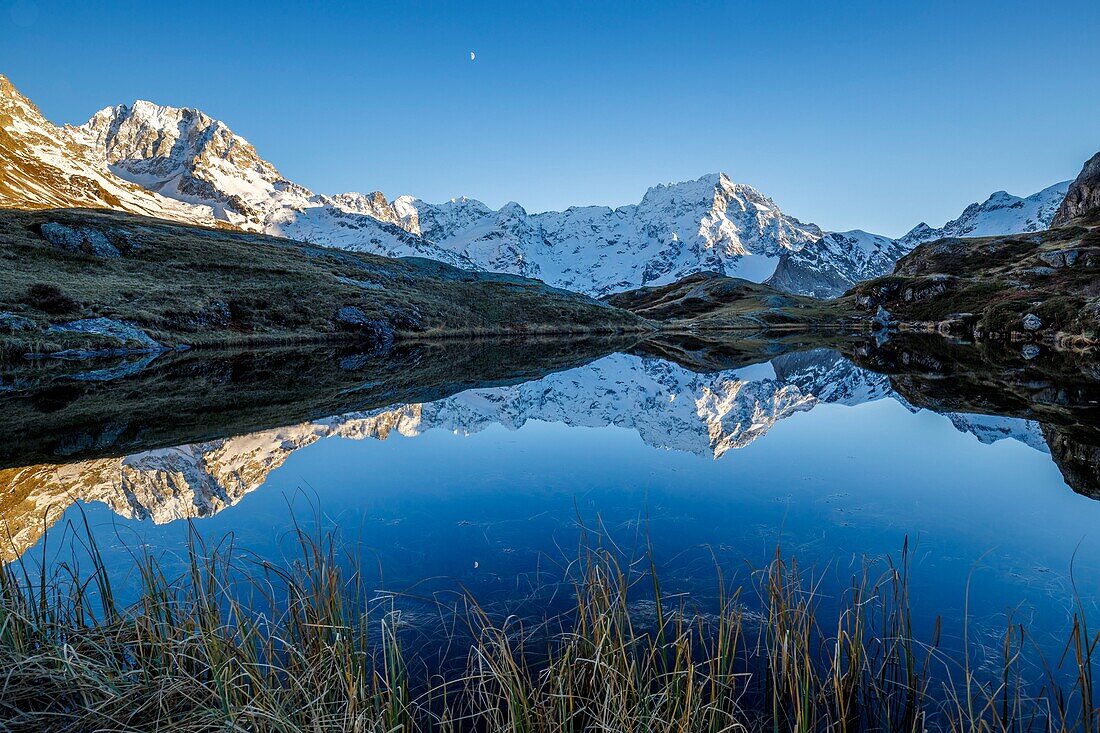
[(42, 167), (182, 164), (841, 260)]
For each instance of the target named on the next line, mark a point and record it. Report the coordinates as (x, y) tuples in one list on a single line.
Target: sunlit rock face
[(42, 167)]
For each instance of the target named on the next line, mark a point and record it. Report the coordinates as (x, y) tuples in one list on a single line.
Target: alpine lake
[(448, 471)]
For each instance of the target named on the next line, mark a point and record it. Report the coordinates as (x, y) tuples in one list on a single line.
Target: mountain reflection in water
[(715, 402)]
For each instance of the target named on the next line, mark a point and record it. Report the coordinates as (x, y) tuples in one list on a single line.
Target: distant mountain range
[(184, 165)]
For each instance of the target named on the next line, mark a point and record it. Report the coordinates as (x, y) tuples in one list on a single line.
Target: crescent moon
[(472, 56)]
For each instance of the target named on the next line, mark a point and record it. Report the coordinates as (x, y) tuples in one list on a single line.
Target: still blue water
[(485, 490)]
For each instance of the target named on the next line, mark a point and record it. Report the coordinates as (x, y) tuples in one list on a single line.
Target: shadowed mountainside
[(709, 301)]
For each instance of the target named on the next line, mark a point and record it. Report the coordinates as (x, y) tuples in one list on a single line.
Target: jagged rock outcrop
[(1083, 195)]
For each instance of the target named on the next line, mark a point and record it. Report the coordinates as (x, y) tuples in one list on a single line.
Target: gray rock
[(883, 318), (378, 331), (1059, 258), (11, 323), (120, 371), (119, 330), (407, 318), (365, 284), (1032, 322), (349, 315), (83, 239)]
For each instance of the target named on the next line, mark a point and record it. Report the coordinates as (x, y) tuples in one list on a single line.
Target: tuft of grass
[(235, 643)]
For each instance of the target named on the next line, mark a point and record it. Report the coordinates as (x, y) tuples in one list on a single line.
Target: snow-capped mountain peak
[(1001, 213), (187, 155), (841, 259), (675, 230), (180, 163), (41, 166)]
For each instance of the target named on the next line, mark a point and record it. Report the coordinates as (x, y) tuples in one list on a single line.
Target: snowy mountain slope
[(677, 229), (1002, 213), (992, 428), (708, 224), (187, 155), (182, 164), (41, 167), (835, 263), (831, 266)]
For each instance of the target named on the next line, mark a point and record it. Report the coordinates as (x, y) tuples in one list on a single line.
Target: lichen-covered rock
[(349, 315), (1032, 322), (122, 331), (83, 239), (11, 323)]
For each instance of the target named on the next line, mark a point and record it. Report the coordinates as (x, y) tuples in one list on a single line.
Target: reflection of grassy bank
[(205, 394), (193, 654)]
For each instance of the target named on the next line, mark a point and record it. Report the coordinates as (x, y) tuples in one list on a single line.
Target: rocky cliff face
[(1083, 195)]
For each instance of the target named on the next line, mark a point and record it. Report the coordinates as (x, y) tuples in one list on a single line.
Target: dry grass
[(199, 286), (238, 644)]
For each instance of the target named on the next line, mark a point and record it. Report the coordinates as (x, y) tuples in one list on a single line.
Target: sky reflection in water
[(487, 487)]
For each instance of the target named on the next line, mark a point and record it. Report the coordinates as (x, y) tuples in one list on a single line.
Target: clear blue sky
[(873, 115)]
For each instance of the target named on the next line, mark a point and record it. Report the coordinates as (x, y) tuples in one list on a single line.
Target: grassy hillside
[(183, 284), (1038, 286), (1041, 286), (711, 302)]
